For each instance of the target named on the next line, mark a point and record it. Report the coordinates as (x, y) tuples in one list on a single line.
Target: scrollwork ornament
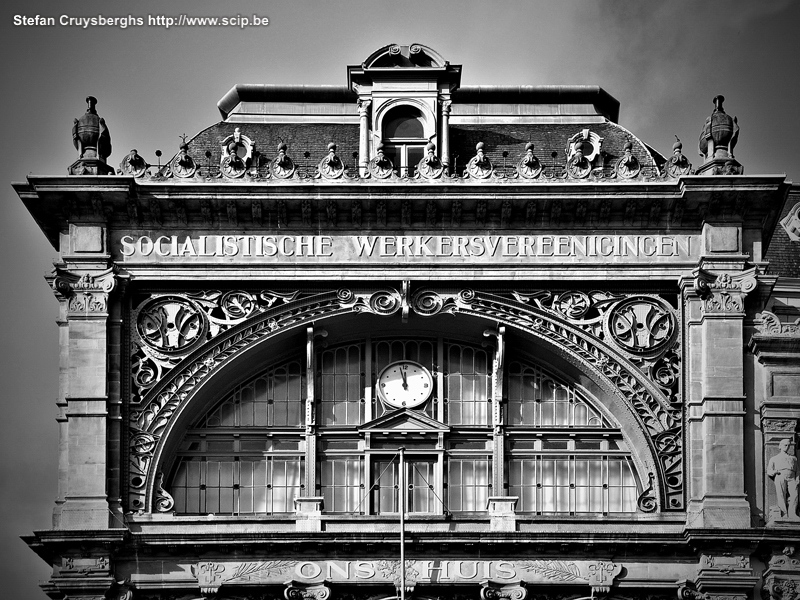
[(384, 303), (578, 166), (238, 305), (430, 167), (628, 167), (573, 305), (282, 166), (171, 324), (529, 167), (641, 325), (331, 167), (647, 500), (232, 167), (142, 443), (479, 166), (163, 501), (134, 164), (183, 166), (381, 167)]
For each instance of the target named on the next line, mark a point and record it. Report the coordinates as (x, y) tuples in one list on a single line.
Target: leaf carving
[(553, 569), (271, 567)]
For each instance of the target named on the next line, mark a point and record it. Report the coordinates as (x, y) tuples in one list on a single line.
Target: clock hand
[(405, 381)]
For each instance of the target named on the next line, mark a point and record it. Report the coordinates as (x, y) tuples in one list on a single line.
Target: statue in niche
[(782, 469)]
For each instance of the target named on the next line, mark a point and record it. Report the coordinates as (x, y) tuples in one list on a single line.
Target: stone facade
[(408, 339)]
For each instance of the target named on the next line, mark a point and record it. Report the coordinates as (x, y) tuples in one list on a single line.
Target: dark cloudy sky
[(664, 61)]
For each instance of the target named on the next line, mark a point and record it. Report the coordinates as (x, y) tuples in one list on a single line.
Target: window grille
[(341, 386)]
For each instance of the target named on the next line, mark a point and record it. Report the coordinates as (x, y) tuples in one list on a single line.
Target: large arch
[(652, 425)]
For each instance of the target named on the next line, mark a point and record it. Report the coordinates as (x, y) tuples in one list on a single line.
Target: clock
[(405, 384)]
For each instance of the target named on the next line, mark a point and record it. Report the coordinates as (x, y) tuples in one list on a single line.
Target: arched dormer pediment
[(411, 56)]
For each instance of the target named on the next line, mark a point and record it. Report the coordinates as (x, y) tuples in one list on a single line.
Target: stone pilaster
[(83, 283), (715, 400)]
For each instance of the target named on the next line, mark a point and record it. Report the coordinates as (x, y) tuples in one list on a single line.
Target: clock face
[(405, 384)]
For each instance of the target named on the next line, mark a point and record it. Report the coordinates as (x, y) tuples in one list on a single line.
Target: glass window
[(467, 371), (342, 484), (573, 484), (420, 486), (468, 483), (538, 399), (273, 399), (233, 485), (341, 386)]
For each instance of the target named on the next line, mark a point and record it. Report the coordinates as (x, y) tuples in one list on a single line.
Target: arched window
[(564, 454), (245, 455), (404, 138)]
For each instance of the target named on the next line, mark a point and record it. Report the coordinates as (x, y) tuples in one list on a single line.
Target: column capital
[(85, 291), (723, 293)]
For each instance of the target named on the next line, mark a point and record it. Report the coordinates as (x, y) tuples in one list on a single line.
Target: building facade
[(406, 338)]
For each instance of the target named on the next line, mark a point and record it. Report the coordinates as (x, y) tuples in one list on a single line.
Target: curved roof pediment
[(411, 56)]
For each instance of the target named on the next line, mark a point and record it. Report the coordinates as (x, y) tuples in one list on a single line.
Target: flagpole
[(401, 505)]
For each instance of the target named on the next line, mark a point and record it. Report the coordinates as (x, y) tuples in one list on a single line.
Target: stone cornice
[(680, 205)]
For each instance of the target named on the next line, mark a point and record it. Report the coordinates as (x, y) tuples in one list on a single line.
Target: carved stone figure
[(782, 469)]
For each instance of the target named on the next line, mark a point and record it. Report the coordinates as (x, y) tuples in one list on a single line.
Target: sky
[(664, 62)]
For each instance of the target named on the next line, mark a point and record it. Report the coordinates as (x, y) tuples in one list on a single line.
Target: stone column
[(363, 137), (445, 145), (715, 392), (83, 283)]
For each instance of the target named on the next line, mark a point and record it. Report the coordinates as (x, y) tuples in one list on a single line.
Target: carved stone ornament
[(381, 167), (677, 164), (641, 325), (479, 166), (782, 577), (724, 292), (237, 152), (628, 166), (296, 590), (180, 340), (492, 590), (791, 223), (331, 166), (212, 575), (579, 166), (529, 167), (588, 142), (602, 575), (282, 166), (183, 166), (133, 164), (86, 293), (430, 167)]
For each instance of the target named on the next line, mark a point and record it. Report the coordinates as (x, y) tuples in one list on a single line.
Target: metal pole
[(401, 505)]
